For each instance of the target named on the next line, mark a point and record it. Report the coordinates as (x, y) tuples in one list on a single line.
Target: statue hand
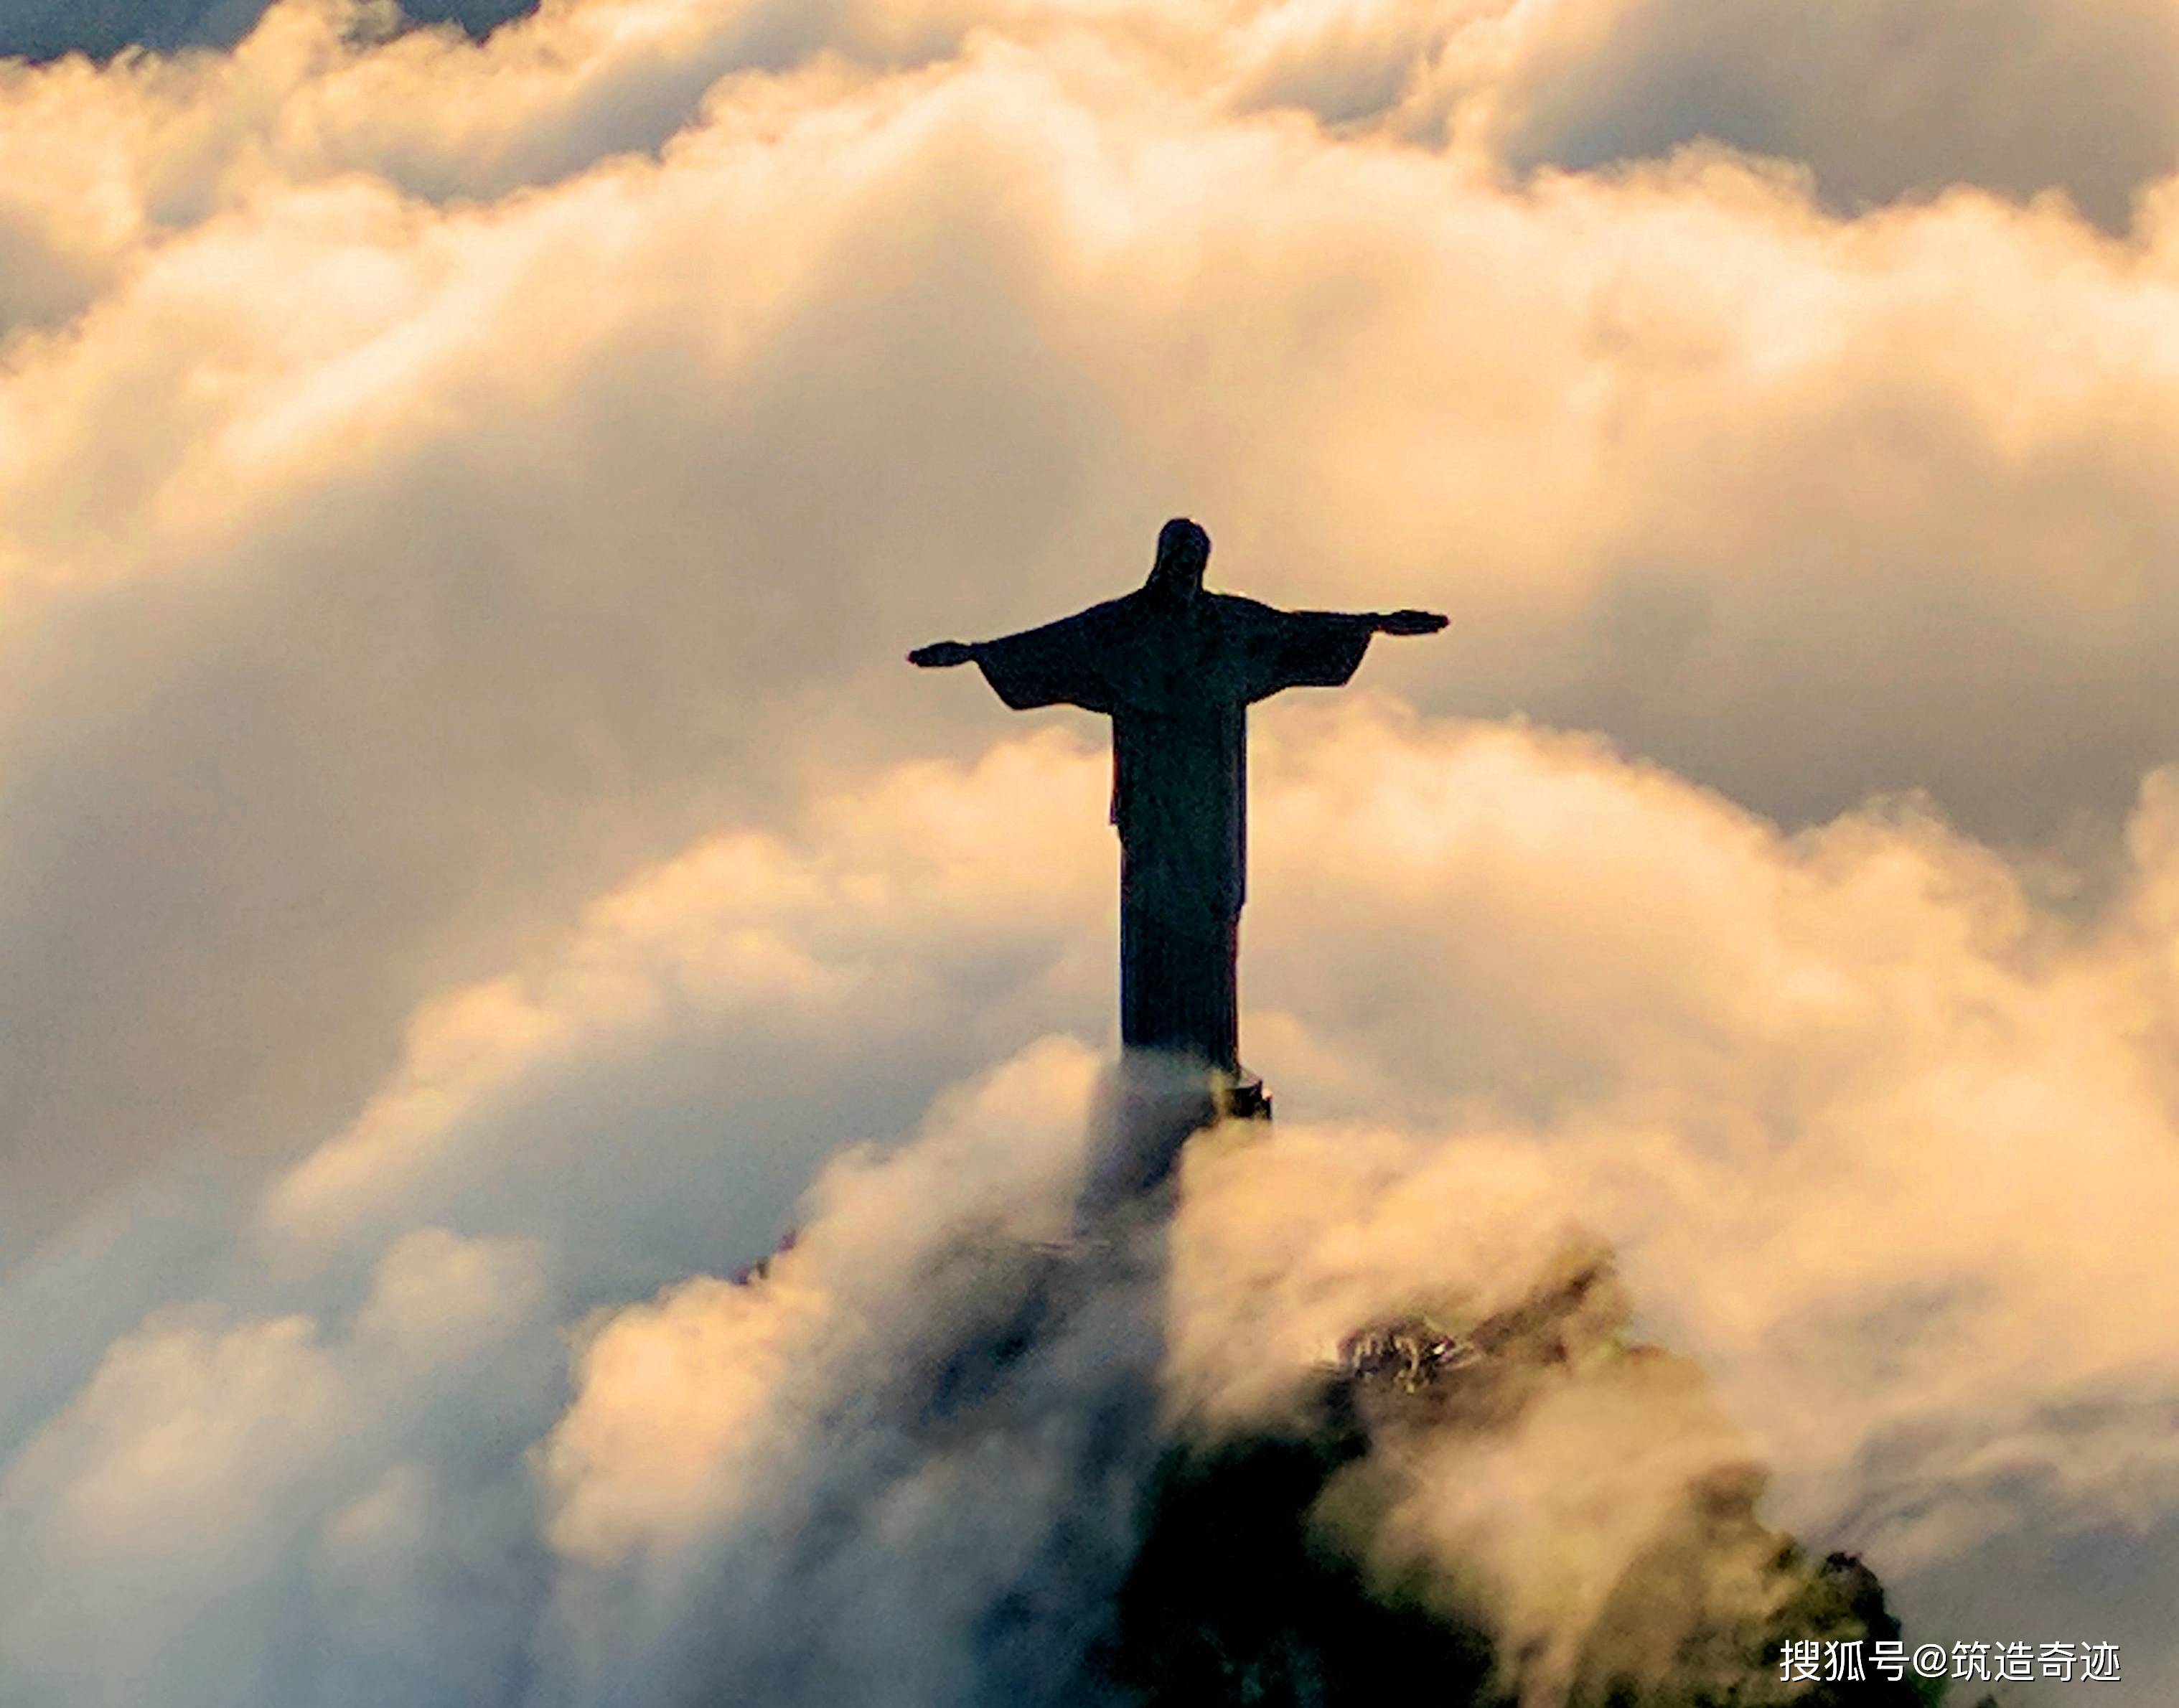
[(941, 655), (1410, 623)]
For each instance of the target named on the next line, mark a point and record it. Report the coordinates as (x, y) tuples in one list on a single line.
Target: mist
[(474, 872)]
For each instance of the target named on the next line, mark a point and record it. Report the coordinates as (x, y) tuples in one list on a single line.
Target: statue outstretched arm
[(1319, 649), (1369, 623), (1054, 665)]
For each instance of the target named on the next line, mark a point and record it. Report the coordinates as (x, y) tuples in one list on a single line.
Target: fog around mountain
[(473, 862)]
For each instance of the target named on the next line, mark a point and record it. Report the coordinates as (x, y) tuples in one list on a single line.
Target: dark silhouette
[(1176, 669)]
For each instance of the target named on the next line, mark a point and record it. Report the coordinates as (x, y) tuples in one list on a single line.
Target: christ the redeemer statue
[(1176, 669)]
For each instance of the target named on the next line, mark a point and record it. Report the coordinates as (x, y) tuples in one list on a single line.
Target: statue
[(1176, 669)]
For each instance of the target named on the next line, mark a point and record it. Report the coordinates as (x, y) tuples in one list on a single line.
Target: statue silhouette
[(1176, 668)]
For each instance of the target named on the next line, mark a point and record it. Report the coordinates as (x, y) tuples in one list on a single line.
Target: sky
[(474, 864), (45, 30)]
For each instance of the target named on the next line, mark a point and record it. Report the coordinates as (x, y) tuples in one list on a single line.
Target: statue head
[(1183, 550)]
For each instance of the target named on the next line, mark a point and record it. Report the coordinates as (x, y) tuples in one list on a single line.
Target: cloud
[(462, 507), (1877, 102), (1883, 1112), (425, 513), (731, 1017), (234, 1484), (906, 1467), (384, 1492), (1881, 101), (1882, 1144), (328, 1410)]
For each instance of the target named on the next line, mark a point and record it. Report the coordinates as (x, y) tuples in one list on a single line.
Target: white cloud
[(1879, 1143), (461, 511), (394, 559)]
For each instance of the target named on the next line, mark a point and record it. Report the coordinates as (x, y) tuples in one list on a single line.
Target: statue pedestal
[(1247, 1099), (1152, 1105)]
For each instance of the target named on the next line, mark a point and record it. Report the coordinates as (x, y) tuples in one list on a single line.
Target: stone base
[(1247, 1099), (1150, 1107)]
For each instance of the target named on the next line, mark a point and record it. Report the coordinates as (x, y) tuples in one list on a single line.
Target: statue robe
[(1177, 679)]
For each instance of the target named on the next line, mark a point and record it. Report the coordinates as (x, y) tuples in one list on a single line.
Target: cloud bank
[(1875, 103), (1902, 1214), (469, 848), (442, 476)]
